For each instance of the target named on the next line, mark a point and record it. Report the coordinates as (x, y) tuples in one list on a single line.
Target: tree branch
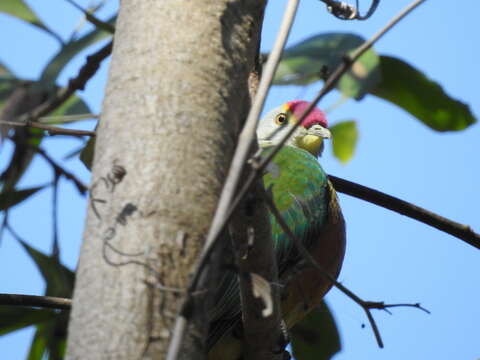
[(89, 15), (61, 171), (78, 83), (49, 302), (463, 232), (52, 130)]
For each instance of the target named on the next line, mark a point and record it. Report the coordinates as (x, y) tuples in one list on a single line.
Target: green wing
[(300, 192)]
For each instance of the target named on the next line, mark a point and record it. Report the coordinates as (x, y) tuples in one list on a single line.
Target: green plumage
[(300, 192), (299, 188)]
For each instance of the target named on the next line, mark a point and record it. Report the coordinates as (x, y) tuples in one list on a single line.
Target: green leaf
[(73, 106), (14, 318), (425, 99), (316, 337), (39, 344), (302, 63), (86, 156), (50, 338), (58, 277), (63, 57), (20, 10), (344, 139), (10, 198)]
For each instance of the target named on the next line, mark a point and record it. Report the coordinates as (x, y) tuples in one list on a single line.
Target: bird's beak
[(320, 131)]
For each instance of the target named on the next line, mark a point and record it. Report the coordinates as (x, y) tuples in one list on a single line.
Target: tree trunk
[(176, 97)]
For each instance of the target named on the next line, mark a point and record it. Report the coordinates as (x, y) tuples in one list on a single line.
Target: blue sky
[(389, 257)]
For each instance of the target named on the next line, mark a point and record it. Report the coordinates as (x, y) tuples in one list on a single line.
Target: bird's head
[(308, 136)]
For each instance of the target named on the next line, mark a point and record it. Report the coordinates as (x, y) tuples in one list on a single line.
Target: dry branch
[(52, 130), (49, 302), (463, 232), (78, 83)]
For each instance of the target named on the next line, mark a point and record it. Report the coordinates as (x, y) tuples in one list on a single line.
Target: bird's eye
[(280, 119)]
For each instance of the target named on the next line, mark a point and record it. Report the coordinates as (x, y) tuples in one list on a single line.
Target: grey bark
[(176, 96)]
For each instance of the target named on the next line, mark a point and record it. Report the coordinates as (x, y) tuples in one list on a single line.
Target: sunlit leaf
[(13, 318), (344, 139), (303, 63), (407, 87), (20, 10), (316, 337), (10, 198), (63, 57)]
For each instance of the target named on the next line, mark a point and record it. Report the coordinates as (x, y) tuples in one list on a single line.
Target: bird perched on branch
[(308, 203)]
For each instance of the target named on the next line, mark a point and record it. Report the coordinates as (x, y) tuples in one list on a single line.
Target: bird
[(307, 201)]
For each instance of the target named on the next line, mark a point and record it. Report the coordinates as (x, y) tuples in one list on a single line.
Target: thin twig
[(63, 119), (52, 130), (463, 232), (49, 302), (367, 45), (56, 246), (78, 83), (365, 305), (239, 160), (55, 36), (4, 224), (64, 172), (382, 306), (99, 24)]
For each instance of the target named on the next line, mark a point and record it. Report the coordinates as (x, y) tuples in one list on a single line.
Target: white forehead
[(268, 119)]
